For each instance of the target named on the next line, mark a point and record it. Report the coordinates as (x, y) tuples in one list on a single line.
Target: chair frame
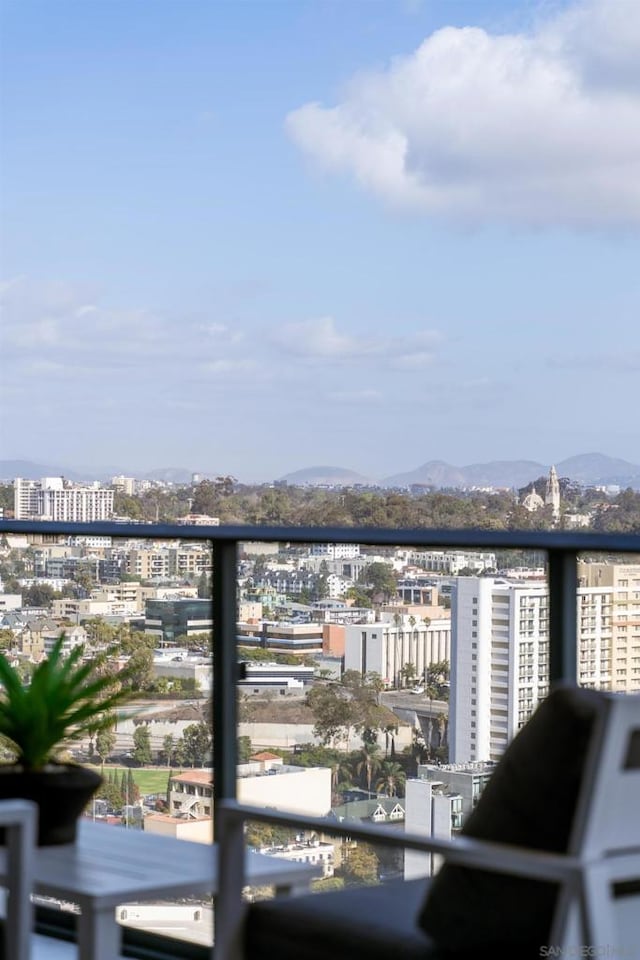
[(19, 819)]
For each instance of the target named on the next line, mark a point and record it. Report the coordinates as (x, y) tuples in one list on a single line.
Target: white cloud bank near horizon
[(51, 330), (59, 326), (529, 129), (319, 341)]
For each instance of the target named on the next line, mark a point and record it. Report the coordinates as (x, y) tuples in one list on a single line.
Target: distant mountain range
[(35, 471), (326, 476), (587, 468)]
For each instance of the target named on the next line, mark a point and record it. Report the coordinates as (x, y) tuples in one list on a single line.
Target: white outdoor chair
[(19, 820), (606, 838)]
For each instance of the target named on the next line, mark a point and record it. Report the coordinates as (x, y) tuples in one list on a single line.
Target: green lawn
[(147, 779)]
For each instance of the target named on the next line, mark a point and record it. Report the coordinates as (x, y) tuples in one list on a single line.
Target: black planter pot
[(61, 792)]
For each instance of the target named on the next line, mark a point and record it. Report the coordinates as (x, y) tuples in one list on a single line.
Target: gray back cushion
[(530, 801)]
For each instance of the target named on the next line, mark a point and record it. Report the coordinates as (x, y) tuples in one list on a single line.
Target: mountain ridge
[(589, 468), (586, 468)]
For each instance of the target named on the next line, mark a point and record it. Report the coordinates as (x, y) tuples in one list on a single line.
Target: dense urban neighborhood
[(371, 681)]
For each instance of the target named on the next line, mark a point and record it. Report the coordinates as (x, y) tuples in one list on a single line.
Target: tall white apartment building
[(500, 651), (499, 663), (387, 647), (54, 498)]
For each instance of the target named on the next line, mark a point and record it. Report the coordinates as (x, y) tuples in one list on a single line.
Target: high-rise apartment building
[(609, 623), (499, 663), (500, 651), (54, 498)]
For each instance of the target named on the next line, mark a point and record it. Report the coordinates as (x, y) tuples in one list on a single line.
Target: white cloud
[(228, 367), (319, 340), (355, 397), (413, 361), (533, 128), (55, 323), (221, 333), (86, 310), (620, 362)]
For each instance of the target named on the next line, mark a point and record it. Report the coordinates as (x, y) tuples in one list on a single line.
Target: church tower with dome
[(534, 502), (552, 495)]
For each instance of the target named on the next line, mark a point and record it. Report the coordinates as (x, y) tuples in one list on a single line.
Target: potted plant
[(66, 699)]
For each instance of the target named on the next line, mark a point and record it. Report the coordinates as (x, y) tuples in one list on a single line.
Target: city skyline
[(252, 238)]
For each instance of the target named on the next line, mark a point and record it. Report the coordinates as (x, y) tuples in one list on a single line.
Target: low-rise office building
[(387, 647)]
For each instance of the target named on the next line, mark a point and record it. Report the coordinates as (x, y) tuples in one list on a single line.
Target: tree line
[(233, 502)]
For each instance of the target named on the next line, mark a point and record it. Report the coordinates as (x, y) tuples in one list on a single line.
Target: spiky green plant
[(65, 700)]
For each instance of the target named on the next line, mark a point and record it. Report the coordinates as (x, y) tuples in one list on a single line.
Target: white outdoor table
[(108, 866)]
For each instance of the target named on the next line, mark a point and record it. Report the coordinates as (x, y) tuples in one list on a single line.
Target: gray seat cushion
[(372, 923), (530, 801)]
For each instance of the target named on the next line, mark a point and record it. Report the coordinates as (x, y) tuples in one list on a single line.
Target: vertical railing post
[(563, 603), (228, 832), (225, 669), (230, 908)]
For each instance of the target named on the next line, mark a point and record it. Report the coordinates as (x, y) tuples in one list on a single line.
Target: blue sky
[(251, 237)]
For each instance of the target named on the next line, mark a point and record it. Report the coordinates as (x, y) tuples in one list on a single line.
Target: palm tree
[(341, 778), (408, 673), (393, 776), (442, 728), (369, 762), (397, 619)]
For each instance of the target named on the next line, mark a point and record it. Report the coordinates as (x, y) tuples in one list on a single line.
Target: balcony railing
[(562, 549)]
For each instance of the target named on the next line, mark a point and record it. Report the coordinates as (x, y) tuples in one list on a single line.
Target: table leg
[(99, 934)]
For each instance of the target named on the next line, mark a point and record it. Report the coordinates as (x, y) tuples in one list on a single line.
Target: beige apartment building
[(609, 624), (147, 564), (78, 610), (165, 562)]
